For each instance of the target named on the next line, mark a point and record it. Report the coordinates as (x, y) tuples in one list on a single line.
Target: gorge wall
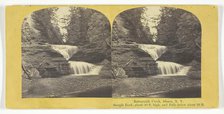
[(87, 29), (133, 61)]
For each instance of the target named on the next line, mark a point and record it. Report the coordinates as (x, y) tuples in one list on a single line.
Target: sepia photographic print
[(157, 53), (66, 53), (146, 52)]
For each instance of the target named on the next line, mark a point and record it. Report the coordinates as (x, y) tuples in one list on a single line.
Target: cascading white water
[(78, 68), (165, 68), (66, 50), (84, 68), (155, 51), (184, 70), (169, 68)]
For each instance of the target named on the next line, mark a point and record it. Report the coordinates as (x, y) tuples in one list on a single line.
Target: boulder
[(195, 71), (92, 53), (106, 71)]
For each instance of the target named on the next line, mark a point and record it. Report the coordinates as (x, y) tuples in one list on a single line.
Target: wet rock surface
[(133, 60), (92, 53), (45, 60)]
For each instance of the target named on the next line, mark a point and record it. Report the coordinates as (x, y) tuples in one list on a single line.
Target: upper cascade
[(66, 50), (155, 51)]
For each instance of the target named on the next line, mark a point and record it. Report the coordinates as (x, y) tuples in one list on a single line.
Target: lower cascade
[(171, 68), (84, 68), (77, 67), (155, 51), (165, 68), (66, 50)]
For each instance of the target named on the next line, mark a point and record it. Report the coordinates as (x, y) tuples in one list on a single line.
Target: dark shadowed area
[(66, 53), (146, 52), (169, 40)]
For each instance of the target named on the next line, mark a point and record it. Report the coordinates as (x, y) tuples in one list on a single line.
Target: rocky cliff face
[(88, 29), (46, 61), (92, 53), (133, 61), (39, 60), (38, 29)]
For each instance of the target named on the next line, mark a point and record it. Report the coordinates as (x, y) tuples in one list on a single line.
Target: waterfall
[(84, 68), (77, 67), (165, 68), (171, 68), (184, 70), (155, 51), (66, 50)]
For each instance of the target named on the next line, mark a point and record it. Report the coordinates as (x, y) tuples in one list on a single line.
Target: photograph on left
[(66, 53)]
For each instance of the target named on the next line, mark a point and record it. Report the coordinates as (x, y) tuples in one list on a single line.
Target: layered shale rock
[(133, 61), (45, 60), (92, 53)]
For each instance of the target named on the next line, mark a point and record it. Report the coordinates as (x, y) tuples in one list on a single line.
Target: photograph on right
[(156, 53)]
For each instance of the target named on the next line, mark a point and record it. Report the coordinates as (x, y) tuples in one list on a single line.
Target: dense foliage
[(181, 32), (127, 27)]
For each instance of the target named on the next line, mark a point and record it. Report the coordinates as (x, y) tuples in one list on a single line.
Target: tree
[(181, 32), (28, 33), (78, 26), (167, 26), (90, 30), (128, 27), (48, 32)]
